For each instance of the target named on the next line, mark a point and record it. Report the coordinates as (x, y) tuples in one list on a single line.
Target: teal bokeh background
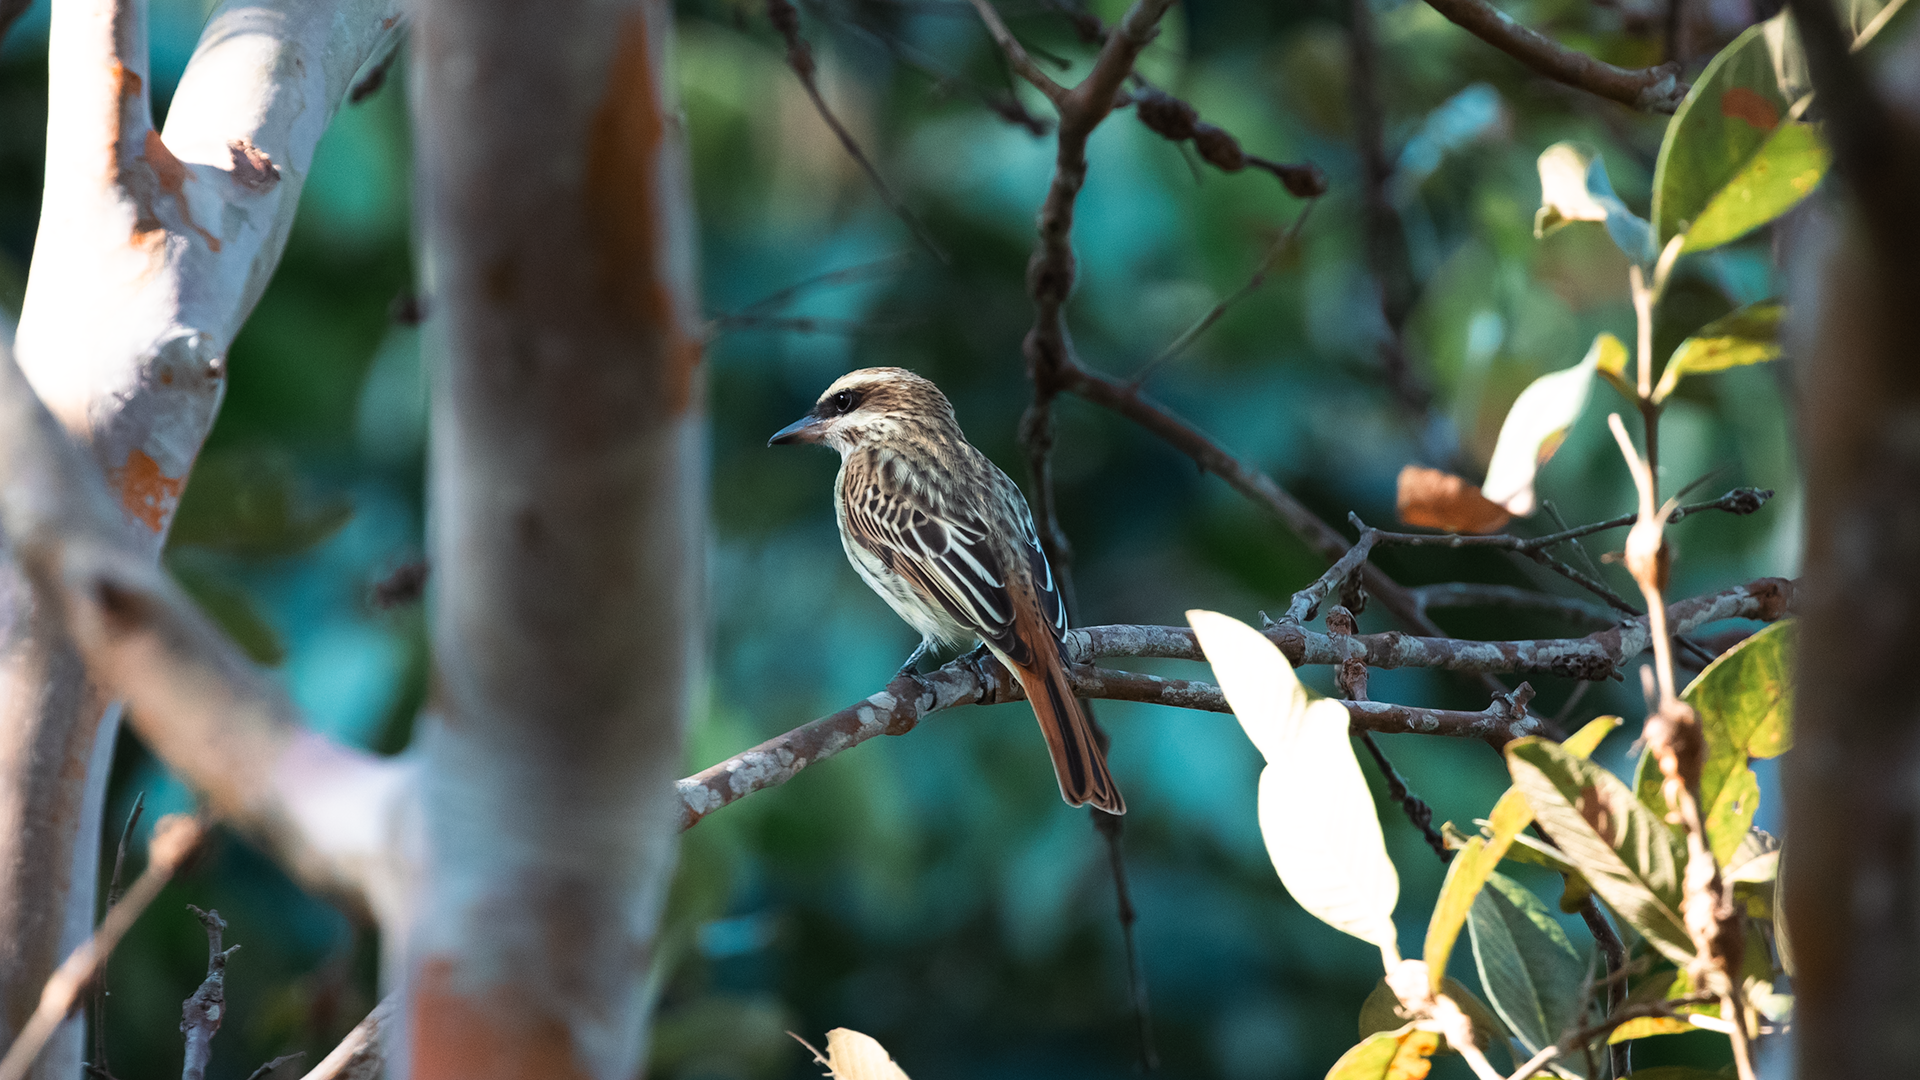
[(931, 890)]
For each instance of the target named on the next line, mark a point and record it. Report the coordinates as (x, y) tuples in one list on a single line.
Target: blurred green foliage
[(932, 890)]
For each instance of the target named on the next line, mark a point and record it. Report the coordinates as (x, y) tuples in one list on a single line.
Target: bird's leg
[(918, 652)]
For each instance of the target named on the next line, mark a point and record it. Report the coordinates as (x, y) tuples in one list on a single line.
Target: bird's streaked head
[(867, 406)]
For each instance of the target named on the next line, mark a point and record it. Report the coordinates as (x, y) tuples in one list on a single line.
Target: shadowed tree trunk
[(1853, 780)]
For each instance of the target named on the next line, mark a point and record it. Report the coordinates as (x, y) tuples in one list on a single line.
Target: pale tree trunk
[(151, 252), (1853, 779), (568, 508)]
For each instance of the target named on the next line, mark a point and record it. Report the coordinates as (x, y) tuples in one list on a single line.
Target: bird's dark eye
[(844, 401)]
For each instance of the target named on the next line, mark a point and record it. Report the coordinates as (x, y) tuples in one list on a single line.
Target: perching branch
[(1654, 89), (909, 698)]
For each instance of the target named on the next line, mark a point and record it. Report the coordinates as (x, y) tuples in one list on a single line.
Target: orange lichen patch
[(128, 83), (172, 175), (502, 1034), (624, 191), (148, 495), (1436, 500), (1741, 103)]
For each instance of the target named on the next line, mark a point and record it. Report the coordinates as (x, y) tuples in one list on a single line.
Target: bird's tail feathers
[(1078, 761)]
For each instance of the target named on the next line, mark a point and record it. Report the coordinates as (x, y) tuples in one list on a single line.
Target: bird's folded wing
[(952, 560)]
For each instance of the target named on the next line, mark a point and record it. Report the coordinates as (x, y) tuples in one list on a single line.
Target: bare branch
[(202, 1013), (267, 1069), (220, 723), (786, 19), (1281, 245), (1307, 601), (363, 1053), (1739, 501), (175, 838), (1654, 89), (909, 698), (1016, 53), (1461, 594), (1589, 657)]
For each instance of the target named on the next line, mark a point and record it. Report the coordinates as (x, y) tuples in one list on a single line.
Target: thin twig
[(175, 838), (1351, 678), (1386, 239), (283, 1059), (114, 884), (1462, 594), (1416, 808), (1111, 828), (800, 324), (1739, 501), (1305, 602), (779, 298), (201, 1014), (786, 19), (1016, 54), (1654, 89), (1267, 262), (1586, 1035), (1613, 952)]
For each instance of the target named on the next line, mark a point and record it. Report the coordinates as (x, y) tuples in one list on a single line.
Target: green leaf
[(1470, 867), (1381, 1012), (1785, 170), (1745, 697), (1744, 700), (1730, 814), (1533, 852), (1528, 967), (255, 504), (1750, 335), (1574, 187), (1625, 852), (1390, 1055), (1535, 427), (1734, 108), (229, 606)]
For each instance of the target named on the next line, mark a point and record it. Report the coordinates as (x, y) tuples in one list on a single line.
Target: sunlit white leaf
[(853, 1056), (1316, 813), (1574, 187), (1535, 427)]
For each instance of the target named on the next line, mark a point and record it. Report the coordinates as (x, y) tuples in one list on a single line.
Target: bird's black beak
[(803, 430)]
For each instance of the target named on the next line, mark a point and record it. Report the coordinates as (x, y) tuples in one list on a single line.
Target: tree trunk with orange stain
[(568, 499), (131, 304)]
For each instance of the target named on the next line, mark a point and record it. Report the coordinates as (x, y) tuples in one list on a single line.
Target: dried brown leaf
[(1438, 500)]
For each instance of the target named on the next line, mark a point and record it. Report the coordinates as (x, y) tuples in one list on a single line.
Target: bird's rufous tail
[(1078, 761)]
